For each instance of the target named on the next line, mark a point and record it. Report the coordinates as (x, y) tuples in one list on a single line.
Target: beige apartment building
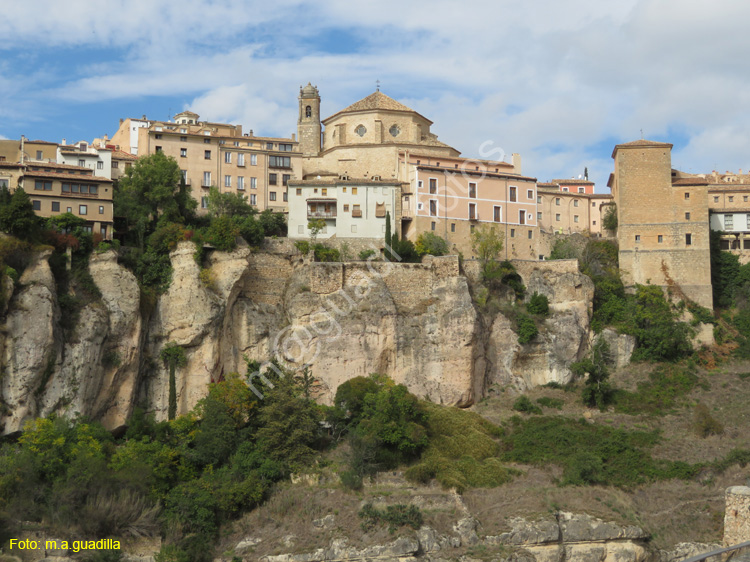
[(663, 230), (59, 188), (565, 211), (218, 155)]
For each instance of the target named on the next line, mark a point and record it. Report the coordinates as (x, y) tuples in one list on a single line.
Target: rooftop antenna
[(377, 85), (641, 134)]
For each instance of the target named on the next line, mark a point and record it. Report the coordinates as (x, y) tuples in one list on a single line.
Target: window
[(253, 159), (158, 149), (361, 130), (729, 222), (473, 211), (744, 198), (453, 227), (273, 179), (101, 209), (637, 237), (575, 218), (433, 224), (354, 190), (269, 146), (687, 216), (308, 111), (204, 202), (115, 164), (565, 189), (346, 208), (227, 181), (433, 185), (285, 147), (522, 216), (241, 183), (207, 155), (660, 238), (272, 195), (253, 199), (538, 199), (158, 136), (324, 191), (539, 216), (299, 191), (82, 163), (55, 206), (183, 152), (531, 234), (497, 214), (472, 190), (581, 190), (356, 211), (84, 188), (513, 190), (575, 202), (39, 155), (530, 194), (184, 175), (433, 208), (69, 209), (227, 157), (253, 183), (41, 185), (240, 159), (557, 201), (557, 217), (344, 190), (37, 205), (286, 177), (594, 222), (731, 199), (83, 209), (688, 239), (183, 139), (100, 165), (716, 198), (420, 184), (206, 179), (512, 232), (593, 204)]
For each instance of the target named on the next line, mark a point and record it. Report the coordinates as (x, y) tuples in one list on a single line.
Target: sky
[(560, 82)]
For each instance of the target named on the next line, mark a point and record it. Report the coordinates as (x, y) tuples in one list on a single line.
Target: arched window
[(308, 111)]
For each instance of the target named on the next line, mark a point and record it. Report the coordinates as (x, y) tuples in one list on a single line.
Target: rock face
[(415, 322)]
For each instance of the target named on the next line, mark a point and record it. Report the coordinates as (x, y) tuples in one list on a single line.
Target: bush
[(527, 329), (432, 244), (609, 221), (523, 404), (704, 423), (548, 402), (538, 304), (597, 391), (396, 516), (366, 254), (303, 246), (326, 254)]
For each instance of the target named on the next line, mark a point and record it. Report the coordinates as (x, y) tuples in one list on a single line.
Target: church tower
[(308, 124)]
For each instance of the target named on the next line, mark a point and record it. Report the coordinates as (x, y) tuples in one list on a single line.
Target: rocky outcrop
[(415, 322), (564, 537)]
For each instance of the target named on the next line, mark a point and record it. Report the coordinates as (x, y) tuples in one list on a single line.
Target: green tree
[(173, 356), (597, 392), (388, 237), (229, 204), (487, 245), (315, 226), (151, 191), (17, 215), (610, 218), (432, 244)]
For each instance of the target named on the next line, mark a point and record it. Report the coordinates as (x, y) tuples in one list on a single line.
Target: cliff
[(415, 322)]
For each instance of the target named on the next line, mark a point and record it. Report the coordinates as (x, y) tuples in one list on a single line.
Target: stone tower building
[(308, 123), (663, 229)]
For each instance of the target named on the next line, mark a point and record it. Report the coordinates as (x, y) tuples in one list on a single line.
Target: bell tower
[(308, 123)]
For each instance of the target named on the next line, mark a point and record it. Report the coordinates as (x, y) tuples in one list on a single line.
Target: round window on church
[(394, 130), (360, 130)]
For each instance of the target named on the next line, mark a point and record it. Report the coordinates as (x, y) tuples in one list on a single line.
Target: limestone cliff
[(415, 322)]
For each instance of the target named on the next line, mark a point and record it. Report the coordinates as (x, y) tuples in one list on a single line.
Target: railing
[(357, 214), (321, 214), (731, 549)]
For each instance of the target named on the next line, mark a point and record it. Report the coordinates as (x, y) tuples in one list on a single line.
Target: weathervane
[(377, 85)]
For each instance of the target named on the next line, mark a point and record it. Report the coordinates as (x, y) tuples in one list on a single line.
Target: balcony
[(321, 208), (357, 214), (321, 214)]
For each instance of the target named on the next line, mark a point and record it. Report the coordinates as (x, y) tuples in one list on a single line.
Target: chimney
[(293, 139), (64, 142), (121, 120), (516, 160)]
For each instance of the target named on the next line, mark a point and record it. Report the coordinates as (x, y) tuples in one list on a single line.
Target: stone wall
[(737, 515)]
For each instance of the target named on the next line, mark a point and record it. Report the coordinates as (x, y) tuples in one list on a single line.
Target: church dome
[(309, 91)]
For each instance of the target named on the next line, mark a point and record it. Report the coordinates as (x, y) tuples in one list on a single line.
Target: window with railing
[(279, 162)]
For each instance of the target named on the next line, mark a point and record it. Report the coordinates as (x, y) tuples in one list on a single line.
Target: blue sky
[(559, 82)]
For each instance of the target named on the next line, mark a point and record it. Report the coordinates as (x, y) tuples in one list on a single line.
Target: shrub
[(303, 246), (432, 244), (538, 304), (523, 404), (597, 391), (326, 254), (396, 516), (609, 221), (704, 423), (222, 234), (366, 254), (527, 329), (548, 402)]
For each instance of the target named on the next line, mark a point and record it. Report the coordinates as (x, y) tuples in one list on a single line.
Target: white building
[(351, 208), (84, 155)]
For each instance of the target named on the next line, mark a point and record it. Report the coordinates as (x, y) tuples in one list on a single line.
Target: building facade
[(663, 230), (351, 208), (219, 155), (572, 210)]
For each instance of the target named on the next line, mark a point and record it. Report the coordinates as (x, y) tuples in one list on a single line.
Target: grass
[(659, 395)]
